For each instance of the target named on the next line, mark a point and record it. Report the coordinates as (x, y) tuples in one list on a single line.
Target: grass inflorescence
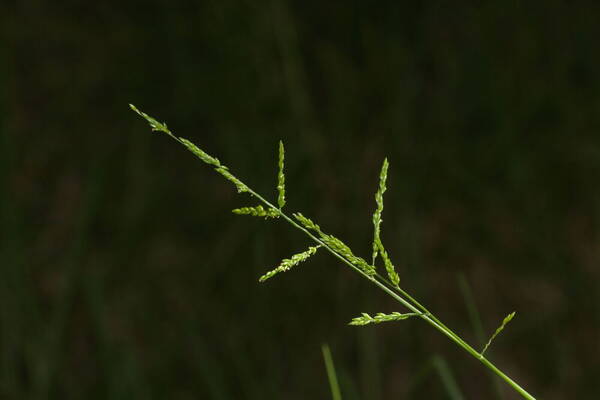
[(335, 246), (258, 211), (505, 321), (366, 319), (288, 263)]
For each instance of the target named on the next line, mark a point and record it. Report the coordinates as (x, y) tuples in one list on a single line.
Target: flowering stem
[(406, 300)]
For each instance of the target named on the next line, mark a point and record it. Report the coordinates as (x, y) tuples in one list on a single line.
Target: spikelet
[(366, 319), (505, 321), (288, 263), (336, 245), (240, 186), (257, 211), (200, 154), (306, 222), (281, 178), (342, 249), (378, 248), (389, 267), (154, 124), (162, 127), (377, 214), (364, 265)]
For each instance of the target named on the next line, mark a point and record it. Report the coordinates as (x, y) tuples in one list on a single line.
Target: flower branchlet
[(201, 154), (240, 186), (154, 124), (366, 319), (378, 248), (389, 267), (505, 321), (281, 177), (379, 209), (336, 245), (307, 222), (258, 211), (288, 263)]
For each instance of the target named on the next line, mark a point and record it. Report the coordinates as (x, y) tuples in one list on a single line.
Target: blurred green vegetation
[(125, 276)]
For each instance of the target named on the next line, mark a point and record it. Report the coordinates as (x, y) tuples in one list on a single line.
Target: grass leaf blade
[(331, 375)]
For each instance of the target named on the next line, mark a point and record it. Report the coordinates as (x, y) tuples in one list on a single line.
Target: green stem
[(331, 375)]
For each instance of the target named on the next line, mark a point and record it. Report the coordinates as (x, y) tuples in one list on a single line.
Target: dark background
[(124, 274)]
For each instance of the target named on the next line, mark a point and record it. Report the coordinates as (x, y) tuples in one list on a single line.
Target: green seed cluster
[(281, 177), (287, 264), (336, 245), (258, 211), (306, 222), (379, 210), (201, 154), (154, 124), (366, 319), (378, 248), (341, 248), (222, 169), (240, 186), (389, 267)]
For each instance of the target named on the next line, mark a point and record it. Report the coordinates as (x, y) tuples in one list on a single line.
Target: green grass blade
[(331, 375), (447, 378), (436, 364)]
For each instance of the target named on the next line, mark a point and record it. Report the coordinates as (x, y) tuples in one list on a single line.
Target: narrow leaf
[(331, 375), (505, 321), (281, 177)]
